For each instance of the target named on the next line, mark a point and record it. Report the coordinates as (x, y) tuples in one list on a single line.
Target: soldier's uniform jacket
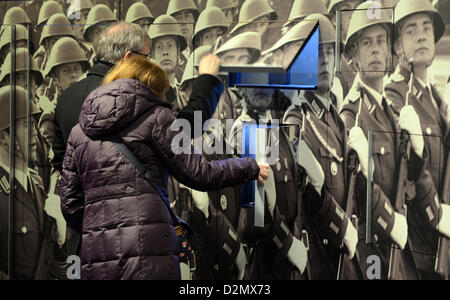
[(216, 243), (271, 243), (378, 116), (29, 224), (326, 221), (432, 111)]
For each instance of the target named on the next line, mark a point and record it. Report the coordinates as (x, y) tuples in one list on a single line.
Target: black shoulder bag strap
[(146, 173)]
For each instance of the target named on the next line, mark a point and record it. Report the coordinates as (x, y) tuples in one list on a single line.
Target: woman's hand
[(263, 172), (209, 64)]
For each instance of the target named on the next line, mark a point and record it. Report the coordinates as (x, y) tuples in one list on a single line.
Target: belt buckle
[(305, 239)]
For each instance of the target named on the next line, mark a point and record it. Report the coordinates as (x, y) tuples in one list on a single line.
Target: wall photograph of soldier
[(168, 43), (78, 13), (211, 25), (229, 8), (186, 14), (5, 40), (139, 13)]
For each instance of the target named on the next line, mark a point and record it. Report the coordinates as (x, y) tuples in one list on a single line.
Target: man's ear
[(127, 54)]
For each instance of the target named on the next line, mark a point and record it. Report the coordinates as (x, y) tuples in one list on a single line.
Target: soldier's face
[(260, 99), (236, 57), (326, 65), (78, 21), (47, 130), (209, 36), (144, 23), (372, 53), (6, 49), (187, 23), (95, 32), (417, 39), (67, 74), (22, 140), (166, 53), (21, 80), (260, 26)]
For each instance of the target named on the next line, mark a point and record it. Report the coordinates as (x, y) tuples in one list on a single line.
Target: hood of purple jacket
[(113, 107)]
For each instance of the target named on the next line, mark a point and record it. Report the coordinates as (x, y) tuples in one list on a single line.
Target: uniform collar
[(372, 92)]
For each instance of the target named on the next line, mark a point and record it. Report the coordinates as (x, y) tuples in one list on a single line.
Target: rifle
[(353, 165), (400, 206), (352, 168), (302, 235), (441, 265)]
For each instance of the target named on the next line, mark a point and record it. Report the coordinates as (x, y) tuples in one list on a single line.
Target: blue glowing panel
[(302, 73)]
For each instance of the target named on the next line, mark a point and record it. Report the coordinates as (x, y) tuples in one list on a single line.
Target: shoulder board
[(4, 184)]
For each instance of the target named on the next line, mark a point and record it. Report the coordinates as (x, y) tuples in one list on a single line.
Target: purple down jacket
[(126, 228)]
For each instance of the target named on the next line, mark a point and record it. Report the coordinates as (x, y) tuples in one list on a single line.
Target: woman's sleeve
[(72, 200), (191, 169)]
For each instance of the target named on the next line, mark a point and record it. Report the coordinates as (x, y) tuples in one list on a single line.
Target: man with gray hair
[(120, 41)]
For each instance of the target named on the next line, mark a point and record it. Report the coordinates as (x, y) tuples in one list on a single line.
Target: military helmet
[(299, 32), (222, 4), (66, 50), (176, 6), (252, 10), (57, 25), (76, 6), (166, 25), (21, 65), (190, 71), (333, 3), (48, 9), (407, 8), (209, 18), (249, 40), (16, 15), (138, 11), (326, 28), (97, 15), (303, 8), (21, 105), (21, 35), (361, 20)]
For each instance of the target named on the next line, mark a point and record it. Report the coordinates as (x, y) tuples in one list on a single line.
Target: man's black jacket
[(205, 96)]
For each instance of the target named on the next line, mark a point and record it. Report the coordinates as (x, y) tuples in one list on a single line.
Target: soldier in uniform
[(42, 163), (5, 40), (58, 26), (100, 16), (78, 13), (33, 240), (186, 13), (211, 25), (15, 15), (244, 49), (167, 45), (48, 9), (227, 6), (300, 10), (139, 13), (66, 64), (368, 46), (275, 250), (255, 16), (322, 153), (419, 26), (346, 74)]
